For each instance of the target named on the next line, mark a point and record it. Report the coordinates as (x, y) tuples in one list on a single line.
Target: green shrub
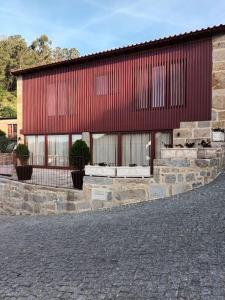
[(22, 152), (79, 154), (2, 134)]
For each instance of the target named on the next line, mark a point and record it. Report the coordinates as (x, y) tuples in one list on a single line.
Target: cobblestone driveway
[(168, 249)]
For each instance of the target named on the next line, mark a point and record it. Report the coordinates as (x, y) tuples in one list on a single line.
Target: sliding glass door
[(105, 149), (136, 149), (36, 146), (58, 150)]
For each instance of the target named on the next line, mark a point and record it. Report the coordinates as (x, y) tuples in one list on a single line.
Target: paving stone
[(171, 248)]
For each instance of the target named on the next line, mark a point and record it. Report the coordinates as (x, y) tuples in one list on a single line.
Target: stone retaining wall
[(171, 176), (21, 198)]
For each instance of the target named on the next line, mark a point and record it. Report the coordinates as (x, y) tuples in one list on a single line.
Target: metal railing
[(56, 174)]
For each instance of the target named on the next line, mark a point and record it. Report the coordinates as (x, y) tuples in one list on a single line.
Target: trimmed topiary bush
[(79, 154), (22, 153)]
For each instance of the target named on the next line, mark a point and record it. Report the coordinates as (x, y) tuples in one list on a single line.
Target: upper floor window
[(158, 86), (142, 88), (161, 85), (102, 85), (58, 99), (178, 83)]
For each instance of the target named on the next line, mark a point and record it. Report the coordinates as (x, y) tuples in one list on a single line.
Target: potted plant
[(79, 157), (218, 135), (24, 171), (189, 145), (206, 144)]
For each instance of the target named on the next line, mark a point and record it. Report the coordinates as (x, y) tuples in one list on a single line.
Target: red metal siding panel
[(79, 108)]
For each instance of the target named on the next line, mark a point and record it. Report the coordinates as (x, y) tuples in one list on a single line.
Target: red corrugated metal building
[(129, 99)]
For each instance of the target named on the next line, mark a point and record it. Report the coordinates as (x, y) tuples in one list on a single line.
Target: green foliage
[(79, 154), (15, 53), (6, 145), (22, 152), (8, 111), (2, 134)]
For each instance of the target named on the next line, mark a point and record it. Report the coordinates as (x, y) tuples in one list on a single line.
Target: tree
[(15, 53)]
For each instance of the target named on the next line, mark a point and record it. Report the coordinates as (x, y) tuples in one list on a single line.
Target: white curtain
[(58, 150), (136, 149), (105, 148), (76, 137), (162, 138), (158, 86), (36, 146)]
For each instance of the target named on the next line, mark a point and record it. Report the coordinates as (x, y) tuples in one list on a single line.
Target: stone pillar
[(20, 108), (87, 138), (218, 82)]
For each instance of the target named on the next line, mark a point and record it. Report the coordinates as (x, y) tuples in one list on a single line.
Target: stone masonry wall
[(171, 176), (21, 198), (197, 131)]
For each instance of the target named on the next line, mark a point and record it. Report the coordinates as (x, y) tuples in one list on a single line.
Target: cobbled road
[(171, 248)]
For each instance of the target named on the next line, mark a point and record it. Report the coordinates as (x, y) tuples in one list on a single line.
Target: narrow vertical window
[(158, 86), (178, 83), (102, 85), (142, 88), (62, 98), (58, 99), (9, 130), (51, 99)]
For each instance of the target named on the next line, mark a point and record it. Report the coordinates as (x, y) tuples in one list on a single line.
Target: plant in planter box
[(79, 157), (179, 146), (218, 134), (24, 171), (132, 165), (189, 145), (206, 144), (168, 145), (102, 164)]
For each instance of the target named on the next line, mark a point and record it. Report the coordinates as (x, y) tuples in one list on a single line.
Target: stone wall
[(197, 131), (179, 175), (171, 176), (21, 198)]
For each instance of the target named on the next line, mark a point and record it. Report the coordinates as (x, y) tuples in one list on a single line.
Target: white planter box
[(179, 153), (133, 171), (100, 171), (218, 136)]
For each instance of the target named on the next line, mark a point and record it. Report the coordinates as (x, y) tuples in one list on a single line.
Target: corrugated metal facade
[(149, 90)]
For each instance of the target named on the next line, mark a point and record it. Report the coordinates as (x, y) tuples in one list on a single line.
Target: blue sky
[(95, 25)]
